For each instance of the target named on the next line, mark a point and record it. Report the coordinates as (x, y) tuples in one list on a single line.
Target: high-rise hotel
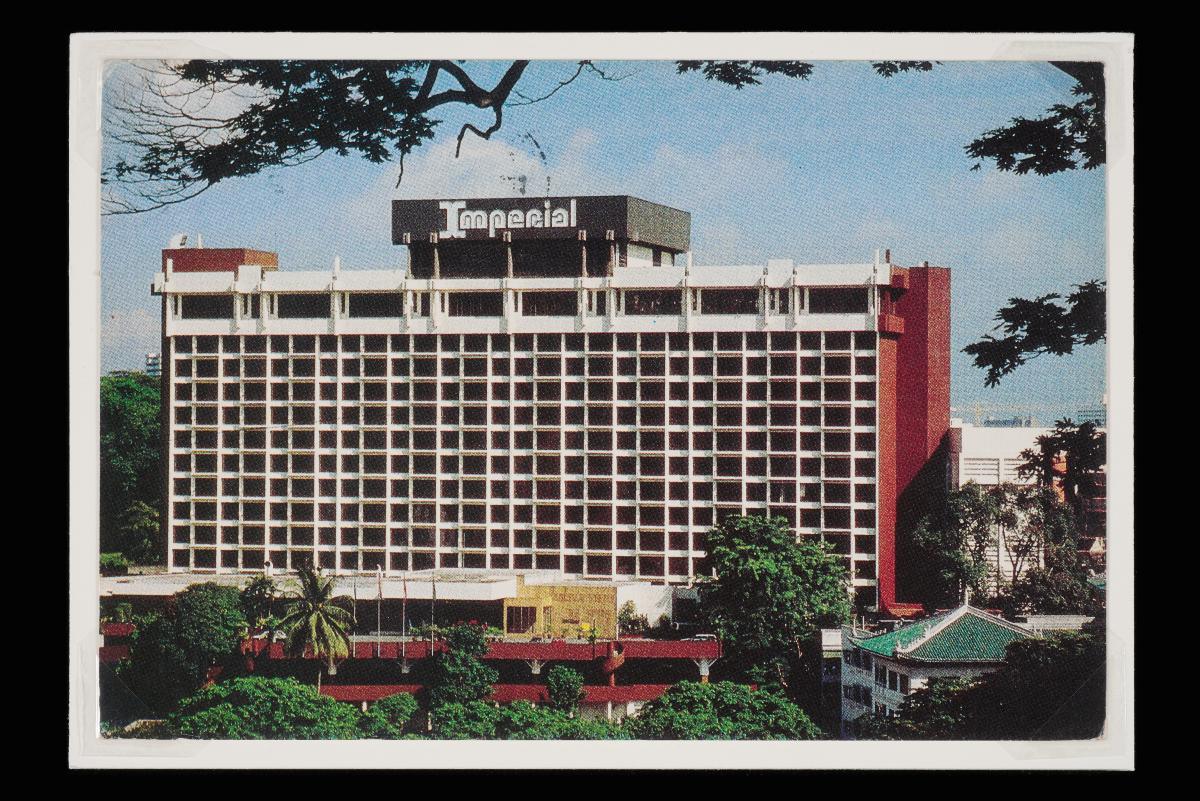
[(552, 384)]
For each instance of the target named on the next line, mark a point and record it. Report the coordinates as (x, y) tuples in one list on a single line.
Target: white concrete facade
[(599, 444)]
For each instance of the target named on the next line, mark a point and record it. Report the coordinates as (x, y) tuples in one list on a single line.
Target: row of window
[(541, 366), (203, 396), (552, 464), (605, 539), (200, 487), (678, 568), (548, 343), (544, 513), (528, 303), (603, 439)]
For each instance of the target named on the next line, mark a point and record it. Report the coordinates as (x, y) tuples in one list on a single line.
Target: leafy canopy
[(770, 593), (459, 675), (130, 490), (317, 620), (565, 688), (721, 711), (389, 718), (186, 126), (257, 708), (1043, 325), (172, 652)]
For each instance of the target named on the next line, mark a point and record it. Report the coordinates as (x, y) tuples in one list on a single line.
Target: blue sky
[(823, 170)]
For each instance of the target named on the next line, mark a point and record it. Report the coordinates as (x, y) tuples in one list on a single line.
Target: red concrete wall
[(922, 404), (923, 376), (216, 260), (886, 493)]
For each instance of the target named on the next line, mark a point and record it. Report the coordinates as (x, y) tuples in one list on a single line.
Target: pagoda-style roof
[(965, 634)]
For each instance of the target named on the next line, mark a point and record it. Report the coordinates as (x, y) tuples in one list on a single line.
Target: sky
[(820, 171)]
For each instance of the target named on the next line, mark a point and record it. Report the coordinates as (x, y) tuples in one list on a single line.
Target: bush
[(113, 564), (389, 718), (257, 708), (473, 720), (565, 688), (721, 711)]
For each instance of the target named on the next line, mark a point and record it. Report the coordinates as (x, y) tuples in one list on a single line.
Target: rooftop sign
[(488, 219)]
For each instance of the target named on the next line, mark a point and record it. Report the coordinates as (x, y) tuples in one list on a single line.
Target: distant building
[(991, 455), (1097, 417), (879, 671), (153, 364)]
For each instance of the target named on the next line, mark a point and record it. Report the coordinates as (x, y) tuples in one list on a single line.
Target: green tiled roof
[(964, 635), (885, 644)]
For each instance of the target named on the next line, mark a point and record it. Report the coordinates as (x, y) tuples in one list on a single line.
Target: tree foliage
[(130, 489), (317, 620), (1043, 325), (629, 621), (564, 685), (721, 711), (258, 599), (1048, 689), (958, 550), (459, 675), (1065, 138), (389, 718), (1082, 450), (186, 126), (771, 594), (171, 652), (257, 708), (952, 547)]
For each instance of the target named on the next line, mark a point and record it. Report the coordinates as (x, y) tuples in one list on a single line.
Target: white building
[(551, 384), (879, 671)]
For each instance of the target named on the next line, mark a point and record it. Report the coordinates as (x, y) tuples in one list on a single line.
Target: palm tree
[(317, 620)]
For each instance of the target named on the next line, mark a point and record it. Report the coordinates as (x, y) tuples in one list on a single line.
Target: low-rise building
[(880, 670)]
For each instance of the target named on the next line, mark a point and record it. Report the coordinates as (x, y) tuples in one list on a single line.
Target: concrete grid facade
[(595, 425)]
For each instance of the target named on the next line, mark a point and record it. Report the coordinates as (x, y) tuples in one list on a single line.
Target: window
[(837, 300)]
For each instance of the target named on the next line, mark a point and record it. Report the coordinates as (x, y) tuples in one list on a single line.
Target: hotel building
[(550, 385)]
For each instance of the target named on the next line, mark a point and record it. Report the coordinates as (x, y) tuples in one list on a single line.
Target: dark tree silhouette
[(1042, 325), (1067, 137), (189, 125)]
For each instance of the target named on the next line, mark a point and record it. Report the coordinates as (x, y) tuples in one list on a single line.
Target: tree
[(1040, 326), (389, 717), (565, 688), (629, 621), (318, 620), (1081, 450), (1066, 138), (257, 708), (189, 125), (459, 675), (130, 489), (141, 534), (952, 547), (936, 711), (771, 594), (721, 711), (172, 652), (258, 599)]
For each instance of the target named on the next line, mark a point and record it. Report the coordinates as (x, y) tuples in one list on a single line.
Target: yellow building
[(564, 609)]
